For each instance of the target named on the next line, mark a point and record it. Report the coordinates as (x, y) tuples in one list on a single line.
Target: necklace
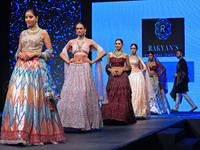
[(81, 37), (134, 57), (34, 30), (151, 63), (80, 46), (117, 53)]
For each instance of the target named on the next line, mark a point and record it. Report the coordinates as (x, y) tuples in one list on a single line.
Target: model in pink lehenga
[(79, 104)]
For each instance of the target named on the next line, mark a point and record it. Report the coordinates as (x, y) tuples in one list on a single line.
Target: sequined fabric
[(139, 99), (134, 61), (79, 106), (30, 42), (119, 105), (117, 62), (161, 104), (27, 117), (85, 49), (139, 92)]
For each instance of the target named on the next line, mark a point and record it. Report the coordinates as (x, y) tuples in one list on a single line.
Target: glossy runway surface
[(112, 137)]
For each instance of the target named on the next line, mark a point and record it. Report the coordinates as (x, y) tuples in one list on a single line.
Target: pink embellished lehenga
[(79, 104)]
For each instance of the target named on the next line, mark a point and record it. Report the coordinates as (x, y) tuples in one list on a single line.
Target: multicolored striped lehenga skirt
[(29, 116)]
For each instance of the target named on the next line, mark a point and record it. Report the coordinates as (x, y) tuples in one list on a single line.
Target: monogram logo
[(163, 29)]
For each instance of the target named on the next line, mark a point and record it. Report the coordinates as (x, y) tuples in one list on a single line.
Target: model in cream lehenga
[(142, 93)]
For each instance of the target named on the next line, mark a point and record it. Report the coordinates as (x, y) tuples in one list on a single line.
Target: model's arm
[(142, 65), (108, 68), (96, 46), (67, 47), (127, 64), (162, 67), (19, 53), (47, 41)]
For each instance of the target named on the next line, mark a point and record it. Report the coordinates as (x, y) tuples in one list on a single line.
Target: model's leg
[(177, 102), (189, 101)]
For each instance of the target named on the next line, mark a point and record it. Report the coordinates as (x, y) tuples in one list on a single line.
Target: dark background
[(175, 38), (58, 17)]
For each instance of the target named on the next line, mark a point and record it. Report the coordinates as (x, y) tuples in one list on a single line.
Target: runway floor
[(112, 137)]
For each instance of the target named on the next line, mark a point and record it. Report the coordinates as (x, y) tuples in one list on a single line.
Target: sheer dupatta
[(149, 89), (99, 75), (162, 78)]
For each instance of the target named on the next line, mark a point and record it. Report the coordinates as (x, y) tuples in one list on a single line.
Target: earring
[(84, 33), (36, 23)]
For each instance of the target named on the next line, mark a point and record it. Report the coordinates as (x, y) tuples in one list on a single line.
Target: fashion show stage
[(176, 131)]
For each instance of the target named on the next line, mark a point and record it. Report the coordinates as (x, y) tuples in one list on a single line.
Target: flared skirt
[(119, 105), (79, 105), (160, 103), (139, 94), (27, 116)]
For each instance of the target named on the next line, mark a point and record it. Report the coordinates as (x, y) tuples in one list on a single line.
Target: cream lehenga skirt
[(79, 105), (139, 94)]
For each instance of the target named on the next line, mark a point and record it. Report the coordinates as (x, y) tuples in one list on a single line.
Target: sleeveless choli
[(27, 116), (119, 106), (32, 42), (85, 49)]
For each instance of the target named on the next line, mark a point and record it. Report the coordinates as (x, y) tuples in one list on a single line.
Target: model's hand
[(72, 60), (143, 70), (119, 71), (114, 71), (151, 75), (175, 75), (30, 55), (23, 56), (88, 61)]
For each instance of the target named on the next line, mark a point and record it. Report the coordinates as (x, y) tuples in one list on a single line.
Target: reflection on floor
[(118, 137)]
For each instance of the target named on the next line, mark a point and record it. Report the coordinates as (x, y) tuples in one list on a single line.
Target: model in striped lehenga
[(30, 115)]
